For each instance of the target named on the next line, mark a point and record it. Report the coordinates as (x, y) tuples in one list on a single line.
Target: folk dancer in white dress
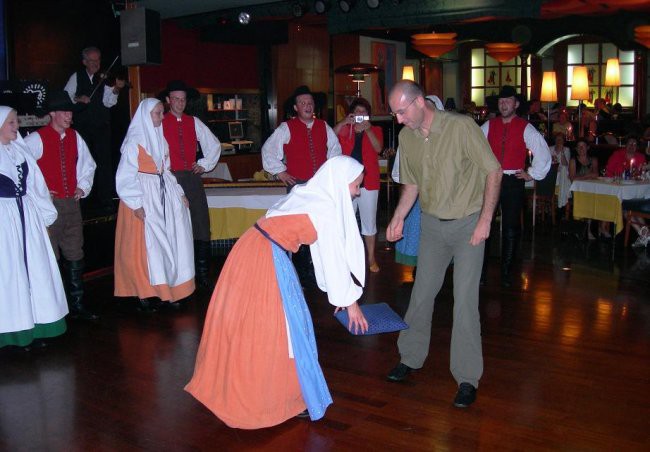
[(33, 304), (154, 254)]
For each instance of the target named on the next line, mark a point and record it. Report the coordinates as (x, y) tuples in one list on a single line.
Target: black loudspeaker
[(140, 34)]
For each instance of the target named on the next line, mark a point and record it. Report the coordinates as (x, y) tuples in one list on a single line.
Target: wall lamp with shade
[(580, 90), (372, 4), (408, 73), (613, 75), (549, 94)]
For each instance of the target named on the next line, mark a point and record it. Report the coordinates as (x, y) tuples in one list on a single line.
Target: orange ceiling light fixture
[(642, 35), (434, 45), (503, 51)]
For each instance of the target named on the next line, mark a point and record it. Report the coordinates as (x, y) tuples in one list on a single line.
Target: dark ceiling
[(532, 23)]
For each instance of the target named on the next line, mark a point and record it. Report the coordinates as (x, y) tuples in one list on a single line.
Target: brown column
[(523, 85)]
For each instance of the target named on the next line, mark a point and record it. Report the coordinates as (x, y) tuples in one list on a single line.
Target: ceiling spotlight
[(372, 4), (346, 5), (298, 9), (244, 18), (322, 6)]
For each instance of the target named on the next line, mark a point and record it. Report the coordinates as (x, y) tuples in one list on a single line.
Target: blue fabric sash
[(301, 330)]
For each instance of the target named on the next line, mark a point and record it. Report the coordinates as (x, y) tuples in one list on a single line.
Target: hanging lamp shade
[(503, 51), (434, 44), (642, 35)]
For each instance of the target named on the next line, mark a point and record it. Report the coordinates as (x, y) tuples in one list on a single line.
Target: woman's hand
[(356, 319), (186, 203), (139, 213)]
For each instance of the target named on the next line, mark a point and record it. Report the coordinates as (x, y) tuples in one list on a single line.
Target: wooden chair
[(635, 210), (544, 195)]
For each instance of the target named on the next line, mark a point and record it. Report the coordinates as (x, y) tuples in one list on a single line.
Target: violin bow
[(104, 78)]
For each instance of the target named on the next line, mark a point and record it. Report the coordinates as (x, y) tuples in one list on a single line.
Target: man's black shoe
[(465, 396), (399, 373)]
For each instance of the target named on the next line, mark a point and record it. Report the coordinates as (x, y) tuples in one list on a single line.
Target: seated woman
[(561, 157), (33, 304), (564, 127), (154, 254), (625, 159), (584, 167), (364, 142), (257, 364)]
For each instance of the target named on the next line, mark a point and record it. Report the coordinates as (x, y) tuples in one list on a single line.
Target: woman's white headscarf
[(326, 199), (15, 149), (142, 132)]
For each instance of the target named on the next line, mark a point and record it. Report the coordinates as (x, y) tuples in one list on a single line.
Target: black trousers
[(98, 139), (511, 199), (195, 194)]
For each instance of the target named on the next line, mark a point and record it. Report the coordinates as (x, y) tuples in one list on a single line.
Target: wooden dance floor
[(567, 367)]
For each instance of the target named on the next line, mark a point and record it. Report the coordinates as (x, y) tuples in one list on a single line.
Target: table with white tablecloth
[(600, 199), (234, 210)]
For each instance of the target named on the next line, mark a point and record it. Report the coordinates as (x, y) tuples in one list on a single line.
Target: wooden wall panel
[(304, 60)]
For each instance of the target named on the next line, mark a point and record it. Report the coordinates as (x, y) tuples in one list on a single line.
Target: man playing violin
[(94, 122)]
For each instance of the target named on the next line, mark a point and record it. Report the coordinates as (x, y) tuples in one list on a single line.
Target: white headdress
[(338, 251), (142, 132)]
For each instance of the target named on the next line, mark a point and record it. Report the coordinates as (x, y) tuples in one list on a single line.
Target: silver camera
[(361, 118)]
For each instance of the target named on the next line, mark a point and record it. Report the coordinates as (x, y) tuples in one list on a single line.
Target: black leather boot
[(76, 292), (202, 258), (508, 252)]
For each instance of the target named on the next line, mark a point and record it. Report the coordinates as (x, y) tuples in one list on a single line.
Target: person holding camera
[(364, 142)]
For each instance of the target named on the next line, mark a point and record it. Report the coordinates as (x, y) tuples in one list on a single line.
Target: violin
[(111, 77)]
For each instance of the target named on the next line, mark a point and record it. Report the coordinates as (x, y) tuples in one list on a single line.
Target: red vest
[(507, 142), (302, 159), (59, 163), (181, 157)]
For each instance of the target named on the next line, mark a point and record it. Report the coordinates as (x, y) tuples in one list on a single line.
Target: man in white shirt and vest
[(68, 169), (293, 154), (87, 87), (182, 133), (510, 138)]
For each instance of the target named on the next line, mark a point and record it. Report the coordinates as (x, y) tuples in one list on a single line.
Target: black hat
[(60, 101), (304, 89), (507, 91), (178, 85)]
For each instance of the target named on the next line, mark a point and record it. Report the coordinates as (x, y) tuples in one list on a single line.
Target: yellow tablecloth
[(232, 222), (598, 207), (234, 210), (600, 199)]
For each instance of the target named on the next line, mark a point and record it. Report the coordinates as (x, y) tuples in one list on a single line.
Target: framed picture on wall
[(383, 55)]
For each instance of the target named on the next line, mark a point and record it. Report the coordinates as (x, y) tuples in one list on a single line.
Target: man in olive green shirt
[(446, 159)]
